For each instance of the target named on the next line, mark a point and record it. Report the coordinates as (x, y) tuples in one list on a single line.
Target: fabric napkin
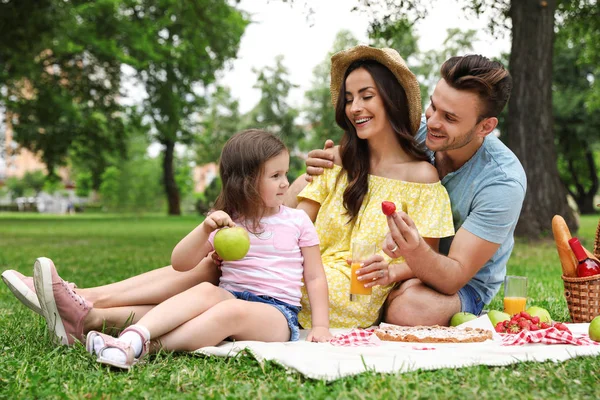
[(545, 336), (356, 338)]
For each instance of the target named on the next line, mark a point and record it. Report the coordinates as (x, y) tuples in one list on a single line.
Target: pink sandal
[(110, 343)]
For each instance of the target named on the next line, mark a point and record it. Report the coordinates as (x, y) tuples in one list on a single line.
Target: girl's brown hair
[(240, 166), (354, 151)]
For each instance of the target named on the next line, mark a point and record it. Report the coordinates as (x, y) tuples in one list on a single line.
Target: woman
[(378, 106)]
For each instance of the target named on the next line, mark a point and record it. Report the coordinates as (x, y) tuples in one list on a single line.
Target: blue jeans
[(289, 312), (470, 301)]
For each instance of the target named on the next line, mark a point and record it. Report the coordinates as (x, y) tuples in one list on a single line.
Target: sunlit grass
[(97, 249)]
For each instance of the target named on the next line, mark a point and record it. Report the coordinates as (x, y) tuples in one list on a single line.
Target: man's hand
[(319, 159), (319, 334)]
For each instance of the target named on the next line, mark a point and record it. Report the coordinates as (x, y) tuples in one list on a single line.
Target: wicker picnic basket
[(583, 294)]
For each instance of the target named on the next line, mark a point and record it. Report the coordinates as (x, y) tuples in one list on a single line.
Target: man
[(486, 184)]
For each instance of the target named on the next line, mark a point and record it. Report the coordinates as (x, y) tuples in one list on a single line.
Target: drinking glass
[(515, 294), (360, 252)]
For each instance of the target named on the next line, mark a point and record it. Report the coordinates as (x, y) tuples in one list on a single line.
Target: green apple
[(497, 316), (461, 318), (594, 329), (540, 312), (232, 244)]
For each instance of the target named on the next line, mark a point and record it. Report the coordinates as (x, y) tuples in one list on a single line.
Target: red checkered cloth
[(546, 336), (356, 338)]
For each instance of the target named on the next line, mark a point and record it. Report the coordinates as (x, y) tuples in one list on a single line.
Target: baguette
[(565, 254)]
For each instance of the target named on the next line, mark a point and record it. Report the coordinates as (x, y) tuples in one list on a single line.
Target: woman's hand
[(375, 271), (319, 334), (403, 237)]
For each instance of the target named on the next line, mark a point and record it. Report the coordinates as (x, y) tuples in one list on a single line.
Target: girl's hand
[(319, 334), (216, 220)]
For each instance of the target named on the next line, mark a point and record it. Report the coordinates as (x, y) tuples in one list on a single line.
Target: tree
[(576, 123), (320, 114), (273, 111), (60, 77), (221, 120), (530, 132), (62, 72)]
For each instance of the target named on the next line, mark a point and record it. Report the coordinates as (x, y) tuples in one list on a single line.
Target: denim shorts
[(470, 301), (289, 312)]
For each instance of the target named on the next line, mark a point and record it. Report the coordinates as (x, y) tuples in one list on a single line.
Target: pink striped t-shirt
[(274, 264)]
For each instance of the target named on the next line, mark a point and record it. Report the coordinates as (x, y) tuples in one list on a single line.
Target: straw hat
[(387, 57)]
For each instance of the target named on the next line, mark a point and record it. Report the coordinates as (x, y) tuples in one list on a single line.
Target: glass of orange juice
[(515, 294), (360, 252)]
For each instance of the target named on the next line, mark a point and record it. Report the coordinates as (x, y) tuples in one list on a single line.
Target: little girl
[(258, 297)]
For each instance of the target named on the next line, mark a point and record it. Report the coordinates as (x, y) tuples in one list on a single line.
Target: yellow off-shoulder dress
[(427, 204)]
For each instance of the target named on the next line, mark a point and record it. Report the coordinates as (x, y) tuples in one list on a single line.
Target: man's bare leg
[(413, 303), (152, 287)]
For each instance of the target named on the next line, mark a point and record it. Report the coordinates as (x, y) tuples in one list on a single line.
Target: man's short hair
[(475, 73)]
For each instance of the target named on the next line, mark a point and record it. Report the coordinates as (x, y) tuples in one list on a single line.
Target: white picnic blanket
[(328, 362)]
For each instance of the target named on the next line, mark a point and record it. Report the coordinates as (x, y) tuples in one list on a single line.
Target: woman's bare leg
[(150, 288), (115, 317)]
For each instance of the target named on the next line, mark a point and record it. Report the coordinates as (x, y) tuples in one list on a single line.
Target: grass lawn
[(92, 250)]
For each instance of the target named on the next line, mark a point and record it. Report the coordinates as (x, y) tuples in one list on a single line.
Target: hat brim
[(393, 61)]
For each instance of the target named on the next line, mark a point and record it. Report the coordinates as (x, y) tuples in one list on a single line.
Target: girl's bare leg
[(183, 307), (238, 319), (150, 288)]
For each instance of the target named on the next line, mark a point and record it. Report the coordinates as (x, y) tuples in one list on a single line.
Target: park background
[(122, 107)]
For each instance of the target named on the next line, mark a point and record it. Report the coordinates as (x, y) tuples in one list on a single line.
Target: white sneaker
[(23, 288)]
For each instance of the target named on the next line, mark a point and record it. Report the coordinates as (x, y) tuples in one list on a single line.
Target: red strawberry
[(534, 327), (388, 207), (535, 320), (561, 327), (525, 315), (513, 328), (545, 325), (524, 325), (500, 328)]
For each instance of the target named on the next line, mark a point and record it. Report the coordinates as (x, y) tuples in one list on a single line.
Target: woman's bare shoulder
[(423, 172)]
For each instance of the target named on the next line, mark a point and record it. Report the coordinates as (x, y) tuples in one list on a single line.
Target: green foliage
[(221, 121), (273, 112), (16, 187), (109, 188), (206, 200), (60, 73), (320, 113), (83, 184), (30, 184), (133, 183), (34, 180), (576, 123)]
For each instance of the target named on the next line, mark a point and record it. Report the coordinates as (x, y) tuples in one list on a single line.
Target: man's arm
[(446, 274)]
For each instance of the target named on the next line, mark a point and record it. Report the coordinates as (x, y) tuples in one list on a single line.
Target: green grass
[(94, 250)]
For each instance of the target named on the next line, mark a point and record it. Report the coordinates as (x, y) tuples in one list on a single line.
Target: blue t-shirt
[(486, 195)]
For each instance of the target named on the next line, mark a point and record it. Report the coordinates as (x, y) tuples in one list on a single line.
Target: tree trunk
[(530, 125), (585, 200), (169, 179)]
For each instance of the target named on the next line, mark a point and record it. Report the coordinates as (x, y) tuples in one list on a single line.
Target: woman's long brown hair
[(354, 151)]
